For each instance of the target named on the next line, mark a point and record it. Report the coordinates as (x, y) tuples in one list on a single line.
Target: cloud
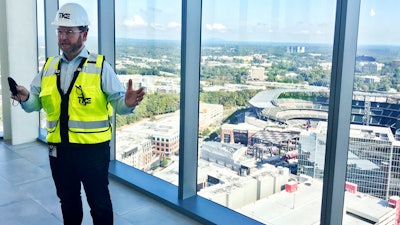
[(136, 21), (216, 27), (372, 13), (157, 26), (304, 31), (173, 25)]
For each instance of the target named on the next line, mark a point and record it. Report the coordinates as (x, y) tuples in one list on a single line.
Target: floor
[(27, 194)]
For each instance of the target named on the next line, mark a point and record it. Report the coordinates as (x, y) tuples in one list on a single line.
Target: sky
[(299, 21)]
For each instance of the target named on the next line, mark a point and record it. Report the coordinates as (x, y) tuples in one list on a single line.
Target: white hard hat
[(71, 15)]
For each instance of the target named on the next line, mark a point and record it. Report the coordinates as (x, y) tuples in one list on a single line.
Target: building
[(296, 49), (238, 133), (165, 140), (148, 82), (370, 67), (235, 191), (257, 73), (371, 79), (209, 115), (156, 139), (225, 154), (300, 207), (270, 142), (164, 135), (373, 158), (136, 152)]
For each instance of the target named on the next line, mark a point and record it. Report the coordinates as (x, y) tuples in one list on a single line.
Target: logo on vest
[(64, 16), (81, 97)]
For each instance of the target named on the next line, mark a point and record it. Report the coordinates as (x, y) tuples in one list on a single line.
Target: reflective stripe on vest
[(88, 125), (80, 124)]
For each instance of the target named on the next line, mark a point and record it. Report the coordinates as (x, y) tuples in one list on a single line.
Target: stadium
[(295, 107)]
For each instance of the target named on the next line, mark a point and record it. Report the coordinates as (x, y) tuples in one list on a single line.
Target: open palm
[(133, 97)]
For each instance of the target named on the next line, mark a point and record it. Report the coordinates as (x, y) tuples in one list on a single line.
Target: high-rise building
[(373, 158), (296, 49)]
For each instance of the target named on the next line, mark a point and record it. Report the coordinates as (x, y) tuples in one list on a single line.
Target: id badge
[(53, 150)]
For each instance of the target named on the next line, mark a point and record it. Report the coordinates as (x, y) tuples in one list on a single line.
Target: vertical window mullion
[(50, 9), (106, 45), (341, 92), (190, 85)]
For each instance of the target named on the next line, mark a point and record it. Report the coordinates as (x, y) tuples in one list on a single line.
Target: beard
[(71, 49)]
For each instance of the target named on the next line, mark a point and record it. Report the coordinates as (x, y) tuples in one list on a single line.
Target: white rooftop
[(303, 207)]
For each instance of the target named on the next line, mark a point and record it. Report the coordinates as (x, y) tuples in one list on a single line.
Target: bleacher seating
[(380, 113)]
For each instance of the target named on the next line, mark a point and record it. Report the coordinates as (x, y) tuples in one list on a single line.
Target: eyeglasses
[(67, 33)]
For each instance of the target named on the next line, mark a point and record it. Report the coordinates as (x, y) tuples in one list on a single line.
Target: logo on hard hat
[(64, 16), (71, 15)]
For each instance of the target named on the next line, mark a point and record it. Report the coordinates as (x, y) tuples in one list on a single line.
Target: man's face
[(70, 40)]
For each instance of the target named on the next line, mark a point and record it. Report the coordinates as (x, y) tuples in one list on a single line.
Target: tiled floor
[(27, 194)]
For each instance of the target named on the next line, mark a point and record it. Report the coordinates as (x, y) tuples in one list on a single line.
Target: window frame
[(184, 198), (340, 98)]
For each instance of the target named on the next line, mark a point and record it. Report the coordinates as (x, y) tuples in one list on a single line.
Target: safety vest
[(83, 114)]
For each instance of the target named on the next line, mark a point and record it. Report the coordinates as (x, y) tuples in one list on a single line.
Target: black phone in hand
[(13, 86)]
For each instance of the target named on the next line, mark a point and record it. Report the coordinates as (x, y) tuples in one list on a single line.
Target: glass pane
[(41, 39), (265, 74), (148, 52), (373, 172), (1, 108), (41, 59)]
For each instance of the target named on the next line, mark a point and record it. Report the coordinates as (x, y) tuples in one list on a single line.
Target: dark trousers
[(87, 165)]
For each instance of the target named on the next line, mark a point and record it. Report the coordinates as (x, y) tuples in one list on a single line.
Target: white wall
[(18, 56)]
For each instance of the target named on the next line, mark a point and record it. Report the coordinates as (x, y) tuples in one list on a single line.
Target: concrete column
[(19, 59)]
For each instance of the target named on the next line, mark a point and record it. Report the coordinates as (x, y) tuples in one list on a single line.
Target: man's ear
[(85, 33)]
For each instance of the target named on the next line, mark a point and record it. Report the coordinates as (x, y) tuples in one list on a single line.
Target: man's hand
[(133, 97), (23, 94)]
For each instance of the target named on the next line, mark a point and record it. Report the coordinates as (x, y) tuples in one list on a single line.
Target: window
[(148, 52), (251, 132), (373, 152), (253, 54), (41, 58)]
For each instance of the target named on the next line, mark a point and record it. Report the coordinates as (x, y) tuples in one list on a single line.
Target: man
[(78, 90)]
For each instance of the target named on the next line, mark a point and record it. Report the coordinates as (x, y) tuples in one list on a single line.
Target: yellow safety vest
[(82, 115)]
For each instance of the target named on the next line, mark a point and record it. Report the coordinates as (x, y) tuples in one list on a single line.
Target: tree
[(164, 162)]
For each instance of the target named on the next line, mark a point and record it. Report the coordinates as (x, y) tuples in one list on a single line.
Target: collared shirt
[(110, 84)]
